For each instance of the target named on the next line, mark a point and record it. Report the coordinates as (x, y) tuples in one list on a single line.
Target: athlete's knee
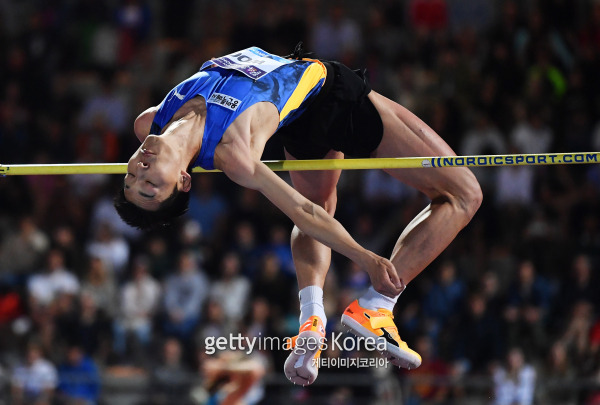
[(325, 198), (330, 203), (469, 196), (465, 196)]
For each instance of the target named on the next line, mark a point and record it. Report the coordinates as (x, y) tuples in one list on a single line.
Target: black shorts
[(341, 117)]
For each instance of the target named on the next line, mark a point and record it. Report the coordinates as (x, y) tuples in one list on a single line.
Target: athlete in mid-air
[(222, 117)]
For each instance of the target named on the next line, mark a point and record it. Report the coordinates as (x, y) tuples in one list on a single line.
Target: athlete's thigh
[(319, 186), (406, 135)]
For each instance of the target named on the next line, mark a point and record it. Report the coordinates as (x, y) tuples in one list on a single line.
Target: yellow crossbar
[(332, 164)]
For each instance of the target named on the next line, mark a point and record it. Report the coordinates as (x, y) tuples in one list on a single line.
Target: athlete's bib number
[(253, 62)]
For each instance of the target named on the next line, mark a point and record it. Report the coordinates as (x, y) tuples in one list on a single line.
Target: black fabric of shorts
[(341, 117)]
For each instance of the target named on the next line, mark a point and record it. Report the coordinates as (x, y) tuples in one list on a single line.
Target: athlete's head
[(155, 188)]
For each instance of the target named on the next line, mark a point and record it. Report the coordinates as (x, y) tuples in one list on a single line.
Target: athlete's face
[(152, 174)]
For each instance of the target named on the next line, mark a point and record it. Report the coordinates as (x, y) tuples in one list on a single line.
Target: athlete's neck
[(185, 132)]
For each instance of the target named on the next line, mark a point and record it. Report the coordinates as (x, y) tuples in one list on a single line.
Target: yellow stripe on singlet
[(310, 78)]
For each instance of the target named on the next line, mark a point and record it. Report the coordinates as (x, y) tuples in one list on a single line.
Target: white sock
[(373, 300), (311, 303)]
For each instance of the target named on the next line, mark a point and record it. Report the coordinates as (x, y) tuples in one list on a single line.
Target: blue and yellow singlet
[(232, 83)]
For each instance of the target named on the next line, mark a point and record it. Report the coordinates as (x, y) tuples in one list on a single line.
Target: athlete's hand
[(383, 275)]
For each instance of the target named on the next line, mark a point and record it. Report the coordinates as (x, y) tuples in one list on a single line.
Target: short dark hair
[(174, 206)]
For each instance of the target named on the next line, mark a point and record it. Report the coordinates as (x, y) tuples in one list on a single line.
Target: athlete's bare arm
[(238, 155)]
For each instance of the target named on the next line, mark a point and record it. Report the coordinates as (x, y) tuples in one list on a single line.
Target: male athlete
[(222, 116)]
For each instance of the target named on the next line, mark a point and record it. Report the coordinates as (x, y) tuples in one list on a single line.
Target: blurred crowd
[(514, 300)]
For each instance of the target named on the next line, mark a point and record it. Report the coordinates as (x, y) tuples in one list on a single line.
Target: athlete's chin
[(151, 143)]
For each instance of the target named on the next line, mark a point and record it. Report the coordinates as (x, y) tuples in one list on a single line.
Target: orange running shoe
[(301, 366), (380, 325)]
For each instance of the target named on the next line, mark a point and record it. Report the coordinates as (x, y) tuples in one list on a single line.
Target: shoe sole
[(393, 354), (300, 367)]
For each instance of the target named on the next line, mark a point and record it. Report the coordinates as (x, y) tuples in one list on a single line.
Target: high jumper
[(222, 117)]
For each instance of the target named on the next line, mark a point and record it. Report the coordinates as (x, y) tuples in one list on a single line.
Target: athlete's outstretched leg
[(455, 197), (312, 260)]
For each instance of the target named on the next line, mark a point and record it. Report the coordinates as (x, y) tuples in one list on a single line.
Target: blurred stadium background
[(94, 310)]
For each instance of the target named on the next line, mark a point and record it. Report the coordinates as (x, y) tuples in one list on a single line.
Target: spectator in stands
[(491, 290), (96, 144), (576, 337), (215, 323), (279, 245), (432, 365), (59, 324), (478, 336), (78, 379), (578, 286), (527, 306), (337, 36), (139, 301), (158, 257), (231, 289), (514, 186), (258, 322), (34, 381), (484, 138), (532, 135), (558, 375), (588, 240), (185, 292), (445, 296), (113, 249), (207, 205), (100, 285), (64, 239), (170, 380), (105, 105), (21, 249), (55, 279), (134, 18), (271, 284), (245, 244), (191, 239), (514, 383), (92, 328)]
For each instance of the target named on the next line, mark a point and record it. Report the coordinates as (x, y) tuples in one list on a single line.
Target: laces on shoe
[(387, 312)]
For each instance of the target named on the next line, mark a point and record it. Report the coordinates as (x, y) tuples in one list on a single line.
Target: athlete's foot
[(301, 366), (380, 325)]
